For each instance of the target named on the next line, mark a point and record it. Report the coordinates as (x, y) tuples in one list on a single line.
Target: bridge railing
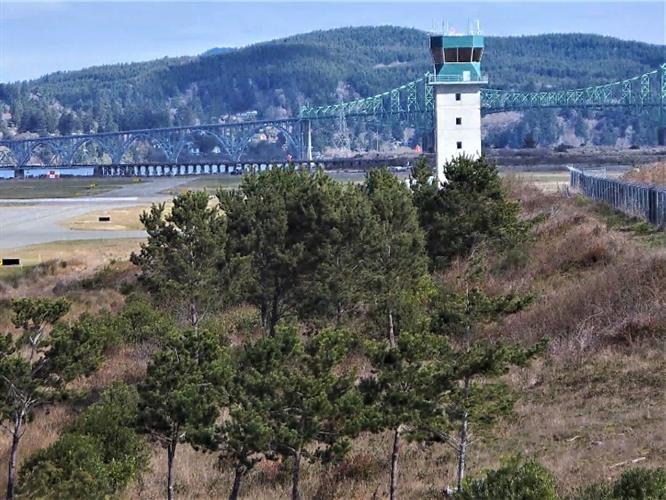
[(632, 198)]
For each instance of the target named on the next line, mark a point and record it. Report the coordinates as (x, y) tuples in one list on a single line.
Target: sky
[(53, 35)]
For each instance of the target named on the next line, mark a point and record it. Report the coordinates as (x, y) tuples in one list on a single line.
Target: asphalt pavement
[(35, 221)]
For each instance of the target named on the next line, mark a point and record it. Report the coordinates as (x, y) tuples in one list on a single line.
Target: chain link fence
[(635, 199)]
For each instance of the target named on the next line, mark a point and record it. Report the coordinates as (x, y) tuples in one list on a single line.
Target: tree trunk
[(296, 477), (264, 315), (11, 472), (395, 454), (194, 315), (238, 477), (273, 315), (171, 454), (392, 341), (462, 448)]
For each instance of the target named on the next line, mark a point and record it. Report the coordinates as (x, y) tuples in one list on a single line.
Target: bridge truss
[(411, 103), (416, 97), (232, 139)]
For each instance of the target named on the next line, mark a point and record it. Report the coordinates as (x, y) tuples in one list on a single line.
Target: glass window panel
[(451, 55), (465, 54), (478, 53), (438, 56)]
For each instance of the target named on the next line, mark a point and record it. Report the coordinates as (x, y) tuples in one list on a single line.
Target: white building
[(456, 82)]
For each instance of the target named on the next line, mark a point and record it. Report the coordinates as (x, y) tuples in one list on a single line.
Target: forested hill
[(274, 78)]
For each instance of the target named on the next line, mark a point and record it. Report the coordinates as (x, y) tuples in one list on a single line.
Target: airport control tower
[(457, 81)]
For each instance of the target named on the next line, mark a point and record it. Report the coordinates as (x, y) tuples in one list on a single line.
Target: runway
[(35, 221)]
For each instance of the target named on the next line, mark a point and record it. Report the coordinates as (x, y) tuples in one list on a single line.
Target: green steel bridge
[(411, 103), (416, 98)]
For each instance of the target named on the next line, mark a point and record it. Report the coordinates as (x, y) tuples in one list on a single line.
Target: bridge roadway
[(163, 169)]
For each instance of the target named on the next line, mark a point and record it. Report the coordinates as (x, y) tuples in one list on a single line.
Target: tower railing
[(458, 78)]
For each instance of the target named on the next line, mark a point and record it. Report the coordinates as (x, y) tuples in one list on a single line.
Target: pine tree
[(473, 397), (301, 393), (399, 395), (184, 389), (398, 279), (183, 262), (337, 289), (280, 225), (34, 366), (470, 209)]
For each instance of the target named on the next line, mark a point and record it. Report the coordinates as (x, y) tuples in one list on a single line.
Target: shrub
[(599, 491), (515, 480), (641, 484), (95, 458), (141, 321), (633, 484), (70, 468)]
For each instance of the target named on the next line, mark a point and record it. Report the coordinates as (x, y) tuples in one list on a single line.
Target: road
[(30, 222)]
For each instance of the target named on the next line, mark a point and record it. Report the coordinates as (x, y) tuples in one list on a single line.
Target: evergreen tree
[(399, 394), (299, 389), (183, 262), (33, 367), (398, 278), (279, 226), (184, 389), (473, 397), (471, 208), (337, 288)]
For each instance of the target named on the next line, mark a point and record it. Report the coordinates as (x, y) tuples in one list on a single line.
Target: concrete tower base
[(458, 123)]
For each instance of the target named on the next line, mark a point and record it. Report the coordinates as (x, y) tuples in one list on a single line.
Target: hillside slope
[(274, 78)]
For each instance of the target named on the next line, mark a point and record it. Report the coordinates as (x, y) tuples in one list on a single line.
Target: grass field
[(68, 187), (93, 252), (122, 219)]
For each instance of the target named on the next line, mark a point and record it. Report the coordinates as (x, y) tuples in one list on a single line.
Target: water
[(31, 173)]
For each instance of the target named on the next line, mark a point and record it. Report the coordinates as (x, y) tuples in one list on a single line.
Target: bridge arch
[(291, 134), (83, 142), (221, 140), (132, 139), (55, 150)]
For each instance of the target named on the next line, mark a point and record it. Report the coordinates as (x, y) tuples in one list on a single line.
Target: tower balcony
[(464, 77)]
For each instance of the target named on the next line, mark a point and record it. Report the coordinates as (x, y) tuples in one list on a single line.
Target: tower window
[(458, 120), (459, 145), (465, 54), (458, 97)]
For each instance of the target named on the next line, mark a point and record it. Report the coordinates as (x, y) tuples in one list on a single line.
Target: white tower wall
[(458, 123)]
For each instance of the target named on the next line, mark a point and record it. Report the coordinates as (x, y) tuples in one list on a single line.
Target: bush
[(641, 484), (599, 491), (86, 340), (141, 321), (633, 484), (95, 458), (515, 480), (70, 468)]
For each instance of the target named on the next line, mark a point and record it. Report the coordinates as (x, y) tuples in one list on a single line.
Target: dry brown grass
[(42, 432), (654, 173), (122, 219), (595, 286)]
